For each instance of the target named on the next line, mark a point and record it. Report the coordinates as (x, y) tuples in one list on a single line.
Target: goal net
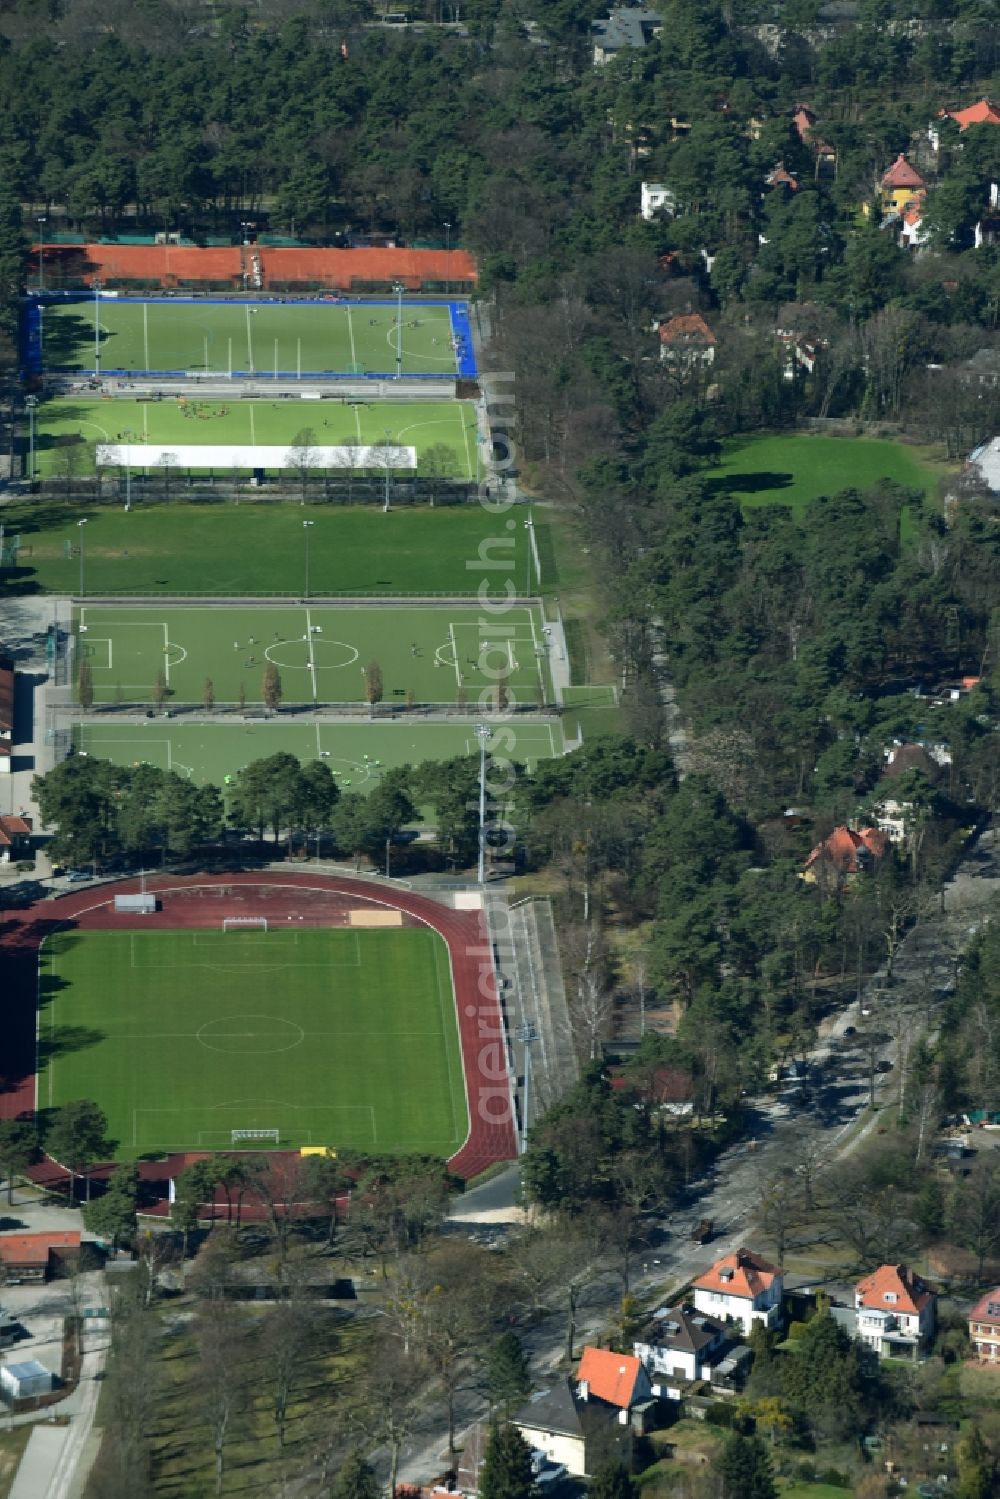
[(244, 923), (255, 1136)]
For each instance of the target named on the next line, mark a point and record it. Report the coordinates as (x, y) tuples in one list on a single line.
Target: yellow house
[(901, 183)]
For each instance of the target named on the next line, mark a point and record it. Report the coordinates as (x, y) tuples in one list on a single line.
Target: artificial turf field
[(138, 335), (357, 753), (334, 1037), (259, 549), (321, 652), (447, 426), (793, 470)]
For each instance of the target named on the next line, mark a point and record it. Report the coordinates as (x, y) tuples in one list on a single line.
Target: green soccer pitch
[(357, 753), (449, 427), (332, 1037), (221, 549), (321, 652), (247, 338)]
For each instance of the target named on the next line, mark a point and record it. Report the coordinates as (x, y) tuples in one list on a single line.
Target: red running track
[(317, 900)]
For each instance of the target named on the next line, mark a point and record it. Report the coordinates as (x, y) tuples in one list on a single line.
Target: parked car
[(76, 875), (850, 1030), (883, 1066), (702, 1231)]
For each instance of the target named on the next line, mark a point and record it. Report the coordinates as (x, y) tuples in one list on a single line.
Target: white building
[(742, 1287), (681, 1345), (656, 197), (896, 1311)]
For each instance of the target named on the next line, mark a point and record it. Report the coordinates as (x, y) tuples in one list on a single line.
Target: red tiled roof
[(987, 1308), (902, 174), (33, 1249), (11, 828), (667, 1084), (983, 113), (689, 327), (803, 119), (750, 1276), (781, 177), (843, 845), (899, 1280), (609, 1376)]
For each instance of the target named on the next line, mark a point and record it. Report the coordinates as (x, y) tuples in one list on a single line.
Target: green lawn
[(259, 549), (321, 652), (334, 1037), (792, 470), (134, 335), (75, 425), (357, 753)]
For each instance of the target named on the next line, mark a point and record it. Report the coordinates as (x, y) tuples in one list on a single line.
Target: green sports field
[(321, 652), (78, 424), (333, 1037), (259, 549), (793, 470), (358, 753), (243, 338)]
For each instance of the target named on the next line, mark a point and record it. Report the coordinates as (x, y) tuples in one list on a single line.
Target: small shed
[(136, 905), (20, 1381)]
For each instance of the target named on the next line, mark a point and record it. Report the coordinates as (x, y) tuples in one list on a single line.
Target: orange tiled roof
[(33, 1249), (983, 113), (902, 174), (843, 846), (782, 177), (609, 1376), (751, 1275), (896, 1280), (11, 828), (689, 327)]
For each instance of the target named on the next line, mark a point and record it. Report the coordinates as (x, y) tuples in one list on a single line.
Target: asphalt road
[(829, 1119)]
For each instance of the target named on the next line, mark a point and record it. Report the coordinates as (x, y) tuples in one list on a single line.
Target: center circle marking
[(276, 654), (250, 1033)]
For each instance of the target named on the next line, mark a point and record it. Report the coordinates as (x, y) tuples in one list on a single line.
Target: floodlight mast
[(307, 526), (81, 524), (398, 289)]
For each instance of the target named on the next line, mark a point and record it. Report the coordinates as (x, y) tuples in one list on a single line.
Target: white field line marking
[(454, 650), (538, 654), (145, 333), (357, 424), (312, 654), (253, 429), (319, 745), (552, 743), (445, 1044), (166, 654), (354, 353)]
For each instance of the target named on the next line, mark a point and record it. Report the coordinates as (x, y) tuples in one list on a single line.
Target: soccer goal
[(255, 1136), (244, 923)]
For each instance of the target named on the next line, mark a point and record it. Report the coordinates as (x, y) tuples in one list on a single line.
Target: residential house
[(984, 1327), (799, 355), (670, 1090), (984, 112), (846, 852), (779, 176), (912, 232), (687, 341), (15, 838), (579, 1422), (901, 185), (826, 156), (6, 712), (548, 1476), (656, 197), (627, 27), (742, 1287), (680, 1345), (34, 1257), (896, 1311)]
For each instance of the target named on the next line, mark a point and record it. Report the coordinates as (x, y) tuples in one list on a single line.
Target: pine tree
[(507, 1377), (745, 1469), (612, 1481), (507, 1472), (208, 695), (355, 1480)]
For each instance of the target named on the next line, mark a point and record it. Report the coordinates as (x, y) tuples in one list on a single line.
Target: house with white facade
[(984, 1327), (654, 198), (680, 1345), (578, 1421), (896, 1311), (742, 1287)]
